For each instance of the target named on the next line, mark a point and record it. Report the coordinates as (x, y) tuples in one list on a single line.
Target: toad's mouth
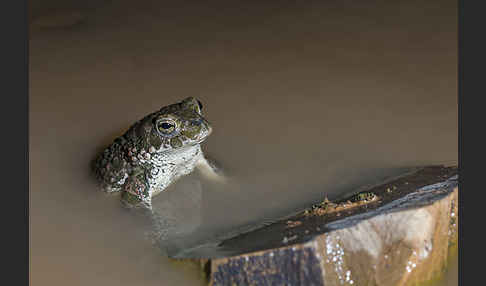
[(207, 130), (204, 136), (201, 138)]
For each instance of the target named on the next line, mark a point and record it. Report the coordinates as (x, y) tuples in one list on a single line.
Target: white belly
[(170, 167)]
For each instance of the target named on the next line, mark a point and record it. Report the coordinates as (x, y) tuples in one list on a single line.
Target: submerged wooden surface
[(401, 235)]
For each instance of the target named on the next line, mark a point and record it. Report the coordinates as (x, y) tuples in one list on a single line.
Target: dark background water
[(307, 99)]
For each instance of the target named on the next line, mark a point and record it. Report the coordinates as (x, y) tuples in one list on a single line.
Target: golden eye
[(166, 126)]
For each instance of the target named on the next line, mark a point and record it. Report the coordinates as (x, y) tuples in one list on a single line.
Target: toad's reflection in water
[(177, 212)]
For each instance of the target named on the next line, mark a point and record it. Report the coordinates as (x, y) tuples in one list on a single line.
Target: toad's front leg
[(136, 191), (210, 169)]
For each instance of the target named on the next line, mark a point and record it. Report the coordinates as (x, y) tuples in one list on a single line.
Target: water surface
[(306, 100)]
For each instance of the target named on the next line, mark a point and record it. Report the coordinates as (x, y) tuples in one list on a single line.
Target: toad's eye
[(165, 126), (200, 105)]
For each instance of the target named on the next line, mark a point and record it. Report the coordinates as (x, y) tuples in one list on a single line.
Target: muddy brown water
[(306, 100)]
